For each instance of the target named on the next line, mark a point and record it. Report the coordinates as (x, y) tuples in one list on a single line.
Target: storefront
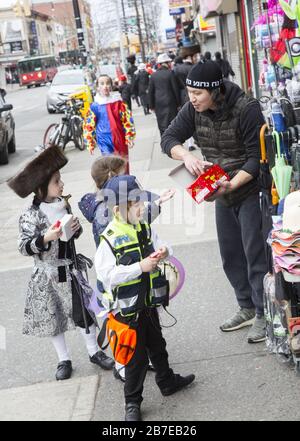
[(271, 32), (273, 51), (229, 37)]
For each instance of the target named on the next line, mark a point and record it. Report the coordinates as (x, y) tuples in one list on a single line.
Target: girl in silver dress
[(52, 304)]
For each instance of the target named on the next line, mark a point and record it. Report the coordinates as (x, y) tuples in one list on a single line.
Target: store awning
[(212, 8)]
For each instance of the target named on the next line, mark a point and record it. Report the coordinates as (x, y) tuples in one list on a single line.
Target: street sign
[(208, 25), (176, 11), (16, 46), (170, 33), (173, 4)]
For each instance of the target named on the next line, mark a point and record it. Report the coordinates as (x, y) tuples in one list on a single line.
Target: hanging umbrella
[(281, 172), (265, 177), (265, 194)]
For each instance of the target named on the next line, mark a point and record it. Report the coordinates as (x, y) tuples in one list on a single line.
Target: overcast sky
[(166, 20)]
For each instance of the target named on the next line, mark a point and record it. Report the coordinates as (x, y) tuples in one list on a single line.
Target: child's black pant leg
[(136, 369), (156, 347)]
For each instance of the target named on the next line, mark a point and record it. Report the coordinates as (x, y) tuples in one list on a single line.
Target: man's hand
[(194, 165), (240, 179), (225, 188)]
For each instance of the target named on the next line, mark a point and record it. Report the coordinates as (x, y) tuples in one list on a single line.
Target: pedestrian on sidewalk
[(164, 93), (207, 56), (227, 124), (126, 264), (131, 73), (224, 65), (140, 86), (53, 305), (109, 123), (125, 91)]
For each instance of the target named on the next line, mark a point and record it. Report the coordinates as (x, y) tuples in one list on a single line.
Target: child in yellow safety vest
[(126, 263)]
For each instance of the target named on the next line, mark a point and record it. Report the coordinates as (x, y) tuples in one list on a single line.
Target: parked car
[(7, 129), (63, 84)]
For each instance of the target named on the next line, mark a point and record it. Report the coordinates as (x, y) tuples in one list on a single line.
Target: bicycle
[(69, 129)]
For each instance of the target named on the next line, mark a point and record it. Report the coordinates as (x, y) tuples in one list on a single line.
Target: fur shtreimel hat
[(189, 51), (38, 171)]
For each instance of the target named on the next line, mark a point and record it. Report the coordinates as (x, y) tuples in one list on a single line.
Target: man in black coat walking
[(164, 93), (140, 86), (181, 71), (130, 73), (125, 91), (224, 65)]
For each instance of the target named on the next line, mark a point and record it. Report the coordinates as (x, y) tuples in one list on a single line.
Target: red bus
[(34, 71)]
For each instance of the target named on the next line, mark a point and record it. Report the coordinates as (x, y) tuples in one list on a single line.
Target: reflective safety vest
[(131, 244)]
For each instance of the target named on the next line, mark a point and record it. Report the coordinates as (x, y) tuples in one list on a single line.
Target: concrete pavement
[(73, 400), (234, 380)]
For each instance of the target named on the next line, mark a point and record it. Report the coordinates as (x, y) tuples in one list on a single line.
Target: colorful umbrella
[(265, 194), (281, 172)]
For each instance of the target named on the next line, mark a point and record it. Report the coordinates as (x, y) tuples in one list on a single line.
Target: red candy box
[(207, 183)]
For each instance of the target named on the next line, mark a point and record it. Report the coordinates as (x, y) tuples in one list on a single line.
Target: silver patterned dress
[(48, 305)]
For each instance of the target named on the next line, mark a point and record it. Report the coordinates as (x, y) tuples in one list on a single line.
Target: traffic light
[(18, 9)]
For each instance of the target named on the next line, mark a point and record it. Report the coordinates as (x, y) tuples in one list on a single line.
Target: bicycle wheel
[(77, 133), (51, 135)]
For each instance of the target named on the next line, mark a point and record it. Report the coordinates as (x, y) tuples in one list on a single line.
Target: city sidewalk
[(234, 380), (151, 168)]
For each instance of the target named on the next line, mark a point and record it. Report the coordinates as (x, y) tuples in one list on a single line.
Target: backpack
[(121, 339)]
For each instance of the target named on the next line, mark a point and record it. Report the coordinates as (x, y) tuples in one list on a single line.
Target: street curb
[(69, 400), (86, 399), (17, 89)]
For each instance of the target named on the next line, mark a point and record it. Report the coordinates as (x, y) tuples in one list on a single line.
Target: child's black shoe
[(177, 384), (102, 360), (117, 375), (133, 412), (64, 370)]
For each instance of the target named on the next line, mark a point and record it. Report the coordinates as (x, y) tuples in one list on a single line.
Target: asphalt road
[(32, 119)]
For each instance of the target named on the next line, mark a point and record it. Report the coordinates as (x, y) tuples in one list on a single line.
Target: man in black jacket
[(164, 95), (125, 91), (227, 124), (130, 73), (140, 86), (224, 65), (181, 71)]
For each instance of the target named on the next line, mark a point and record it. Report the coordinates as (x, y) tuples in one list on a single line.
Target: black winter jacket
[(251, 120)]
